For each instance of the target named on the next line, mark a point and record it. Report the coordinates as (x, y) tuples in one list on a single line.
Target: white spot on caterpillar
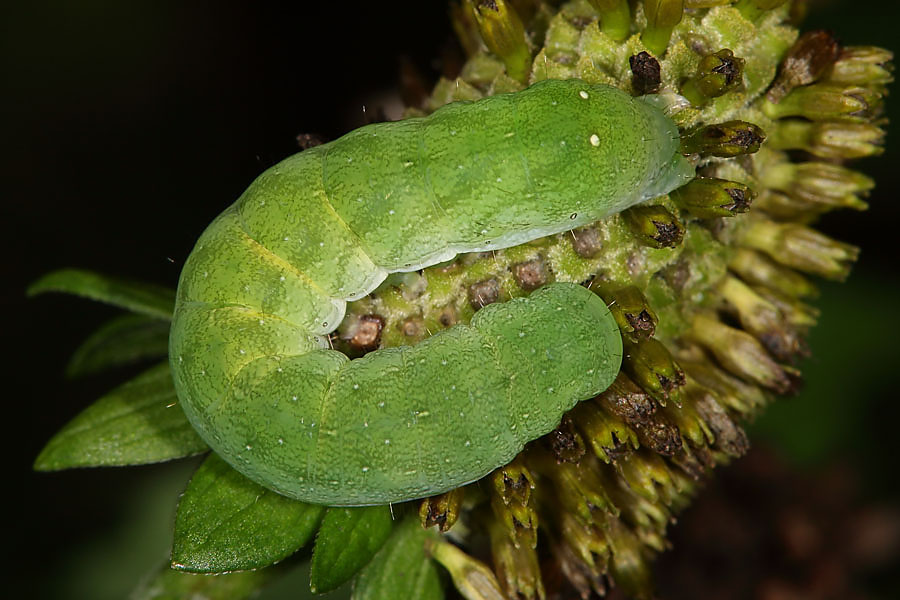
[(583, 94), (595, 140)]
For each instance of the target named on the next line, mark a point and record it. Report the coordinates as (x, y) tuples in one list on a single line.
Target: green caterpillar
[(270, 277)]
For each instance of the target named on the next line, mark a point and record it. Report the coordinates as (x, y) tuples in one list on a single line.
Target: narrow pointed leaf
[(146, 299), (226, 522), (401, 569), (137, 423), (347, 541), (124, 340), (167, 584)]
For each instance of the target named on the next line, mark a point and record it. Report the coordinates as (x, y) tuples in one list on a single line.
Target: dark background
[(127, 126)]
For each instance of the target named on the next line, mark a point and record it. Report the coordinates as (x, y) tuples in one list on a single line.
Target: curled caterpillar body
[(272, 275)]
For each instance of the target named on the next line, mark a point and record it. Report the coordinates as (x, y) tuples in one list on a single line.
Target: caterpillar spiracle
[(270, 278)]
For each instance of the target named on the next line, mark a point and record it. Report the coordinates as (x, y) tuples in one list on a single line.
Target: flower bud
[(503, 32), (725, 140), (662, 17), (473, 578), (709, 198), (647, 475), (802, 248), (689, 422), (442, 510), (651, 366), (588, 544), (756, 269), (762, 319), (829, 139), (740, 353), (823, 101), (654, 226), (626, 400), (717, 74), (565, 442), (629, 308), (512, 502), (628, 564), (829, 185), (645, 73), (608, 436), (615, 18), (578, 488), (730, 391), (730, 438), (796, 313), (863, 65), (808, 59), (516, 566)]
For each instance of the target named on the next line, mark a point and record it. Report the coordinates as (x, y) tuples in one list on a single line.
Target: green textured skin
[(272, 274)]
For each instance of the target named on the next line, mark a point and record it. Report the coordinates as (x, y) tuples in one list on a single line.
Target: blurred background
[(129, 125)]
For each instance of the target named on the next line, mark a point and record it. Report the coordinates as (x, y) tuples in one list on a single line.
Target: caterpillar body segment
[(272, 274)]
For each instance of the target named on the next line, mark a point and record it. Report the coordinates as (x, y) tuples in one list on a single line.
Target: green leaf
[(226, 522), (401, 569), (347, 541), (137, 423), (146, 299), (167, 584), (124, 340)]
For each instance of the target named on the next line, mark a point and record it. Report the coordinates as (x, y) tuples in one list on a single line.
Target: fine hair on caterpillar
[(270, 278)]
